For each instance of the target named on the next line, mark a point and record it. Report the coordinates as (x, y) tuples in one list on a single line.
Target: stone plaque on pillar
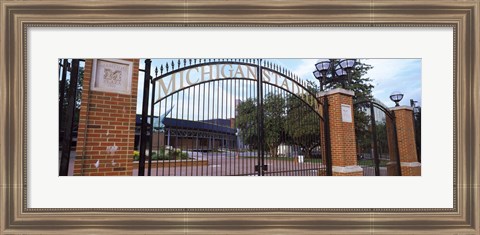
[(346, 113), (112, 75)]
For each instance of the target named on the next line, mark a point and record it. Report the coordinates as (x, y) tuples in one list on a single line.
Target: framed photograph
[(116, 44)]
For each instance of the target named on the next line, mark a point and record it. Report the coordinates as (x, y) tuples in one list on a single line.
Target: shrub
[(136, 155), (164, 155)]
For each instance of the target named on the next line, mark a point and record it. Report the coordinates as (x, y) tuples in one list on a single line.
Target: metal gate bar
[(191, 109)]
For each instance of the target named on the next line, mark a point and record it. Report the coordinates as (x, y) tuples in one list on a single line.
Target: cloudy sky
[(388, 75)]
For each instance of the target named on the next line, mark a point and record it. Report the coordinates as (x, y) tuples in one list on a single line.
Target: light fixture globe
[(396, 97), (348, 63), (317, 74), (341, 73), (323, 66)]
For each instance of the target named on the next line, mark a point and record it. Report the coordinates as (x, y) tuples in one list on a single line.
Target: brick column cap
[(335, 91), (403, 107)]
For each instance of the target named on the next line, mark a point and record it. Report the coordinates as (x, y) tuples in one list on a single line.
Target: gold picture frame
[(17, 16)]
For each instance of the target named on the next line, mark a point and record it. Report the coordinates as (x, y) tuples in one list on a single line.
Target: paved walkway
[(228, 163), (231, 163)]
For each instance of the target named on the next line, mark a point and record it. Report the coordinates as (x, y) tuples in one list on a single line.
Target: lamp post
[(334, 70), (396, 97)]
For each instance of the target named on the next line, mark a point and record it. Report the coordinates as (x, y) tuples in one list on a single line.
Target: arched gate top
[(183, 74)]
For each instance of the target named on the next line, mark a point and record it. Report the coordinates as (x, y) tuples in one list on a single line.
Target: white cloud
[(305, 69), (390, 75)]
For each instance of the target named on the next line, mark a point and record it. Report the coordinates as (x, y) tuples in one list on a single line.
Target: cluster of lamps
[(340, 71), (334, 71)]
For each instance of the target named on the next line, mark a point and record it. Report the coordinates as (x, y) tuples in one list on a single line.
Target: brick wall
[(322, 132), (405, 135), (342, 134), (106, 119), (391, 141), (406, 140)]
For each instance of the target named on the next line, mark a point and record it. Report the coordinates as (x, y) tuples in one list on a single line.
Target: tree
[(274, 122), (363, 129), (246, 122), (359, 84), (302, 125)]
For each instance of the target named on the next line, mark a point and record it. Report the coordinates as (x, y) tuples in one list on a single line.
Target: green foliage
[(362, 129), (246, 121), (136, 155), (274, 122), (382, 138), (286, 120), (360, 84), (302, 125)]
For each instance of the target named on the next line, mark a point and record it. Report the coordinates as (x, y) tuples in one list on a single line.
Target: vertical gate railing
[(327, 147), (383, 157), (193, 129), (67, 105), (260, 167)]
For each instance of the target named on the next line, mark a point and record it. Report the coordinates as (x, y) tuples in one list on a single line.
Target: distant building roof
[(214, 125)]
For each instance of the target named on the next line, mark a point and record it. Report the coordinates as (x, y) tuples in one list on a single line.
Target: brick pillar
[(106, 130), (342, 132), (392, 150), (406, 141)]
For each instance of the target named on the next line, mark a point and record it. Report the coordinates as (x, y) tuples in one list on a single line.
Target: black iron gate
[(376, 137), (216, 117)]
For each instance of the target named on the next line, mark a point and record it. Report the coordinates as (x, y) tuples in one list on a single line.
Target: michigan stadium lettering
[(190, 77)]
